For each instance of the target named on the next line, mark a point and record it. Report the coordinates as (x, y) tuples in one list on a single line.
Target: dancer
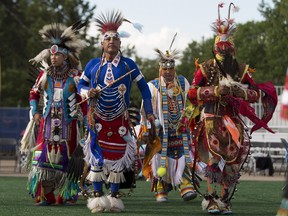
[(166, 164), (59, 123), (283, 209), (222, 90), (110, 149)]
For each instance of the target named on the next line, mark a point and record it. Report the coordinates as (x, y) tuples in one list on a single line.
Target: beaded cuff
[(207, 93)]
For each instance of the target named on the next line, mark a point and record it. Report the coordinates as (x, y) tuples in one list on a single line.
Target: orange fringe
[(252, 70), (153, 148), (90, 115)]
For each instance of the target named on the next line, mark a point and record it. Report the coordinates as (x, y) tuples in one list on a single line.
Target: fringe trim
[(116, 166), (200, 166), (89, 157), (127, 160), (205, 204), (69, 190), (43, 80), (116, 177), (37, 174), (96, 176), (78, 138), (176, 170), (155, 164), (76, 80), (28, 140)]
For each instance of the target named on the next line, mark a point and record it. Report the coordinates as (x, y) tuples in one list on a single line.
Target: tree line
[(263, 45)]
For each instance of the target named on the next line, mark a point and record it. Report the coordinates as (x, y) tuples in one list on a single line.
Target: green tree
[(263, 45), (150, 70), (276, 28), (195, 51), (251, 48), (20, 21)]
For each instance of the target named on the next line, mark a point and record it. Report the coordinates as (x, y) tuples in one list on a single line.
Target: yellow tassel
[(219, 57), (196, 63)]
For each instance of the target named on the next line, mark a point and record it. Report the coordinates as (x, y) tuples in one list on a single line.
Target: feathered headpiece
[(224, 29), (62, 39), (111, 21), (167, 59)]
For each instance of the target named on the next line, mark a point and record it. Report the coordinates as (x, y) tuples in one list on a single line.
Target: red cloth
[(112, 144)]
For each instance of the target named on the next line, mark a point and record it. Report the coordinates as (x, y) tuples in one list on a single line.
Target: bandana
[(55, 49), (167, 64)]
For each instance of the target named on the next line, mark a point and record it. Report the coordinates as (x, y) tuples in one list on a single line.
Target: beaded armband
[(207, 93)]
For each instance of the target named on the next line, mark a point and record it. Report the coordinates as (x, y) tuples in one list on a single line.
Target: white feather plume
[(43, 55)]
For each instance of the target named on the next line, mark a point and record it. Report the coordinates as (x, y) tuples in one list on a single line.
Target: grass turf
[(255, 198)]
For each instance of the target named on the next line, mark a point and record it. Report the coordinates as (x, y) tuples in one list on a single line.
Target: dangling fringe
[(58, 155), (42, 81), (214, 174), (116, 177), (69, 190), (52, 155), (36, 175), (33, 182), (94, 176), (89, 157), (76, 80), (28, 140), (205, 204), (28, 143), (129, 156), (155, 163), (176, 169), (200, 166), (78, 137)]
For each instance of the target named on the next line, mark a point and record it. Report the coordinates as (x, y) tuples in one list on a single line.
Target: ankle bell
[(98, 193)]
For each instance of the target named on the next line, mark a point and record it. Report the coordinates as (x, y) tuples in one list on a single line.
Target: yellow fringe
[(196, 63)]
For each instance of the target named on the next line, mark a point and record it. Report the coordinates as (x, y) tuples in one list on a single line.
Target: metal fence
[(276, 123), (13, 120)]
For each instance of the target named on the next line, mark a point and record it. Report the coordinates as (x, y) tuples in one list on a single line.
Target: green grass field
[(252, 198)]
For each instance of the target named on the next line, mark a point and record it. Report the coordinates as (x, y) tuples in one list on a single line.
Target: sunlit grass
[(252, 198)]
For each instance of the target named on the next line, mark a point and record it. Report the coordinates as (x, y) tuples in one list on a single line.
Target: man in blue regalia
[(110, 148)]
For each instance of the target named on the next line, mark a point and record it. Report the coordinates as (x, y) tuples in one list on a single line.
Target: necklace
[(59, 73)]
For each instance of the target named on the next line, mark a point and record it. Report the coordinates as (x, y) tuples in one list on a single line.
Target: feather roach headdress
[(62, 39), (224, 30), (167, 59), (111, 21)]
